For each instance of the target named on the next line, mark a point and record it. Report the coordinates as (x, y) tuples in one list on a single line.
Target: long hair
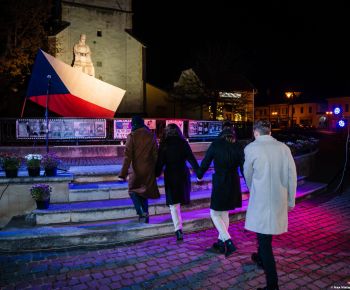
[(228, 132), (172, 130)]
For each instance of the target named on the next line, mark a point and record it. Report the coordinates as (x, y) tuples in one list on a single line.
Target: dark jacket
[(172, 154), (226, 191), (141, 153)]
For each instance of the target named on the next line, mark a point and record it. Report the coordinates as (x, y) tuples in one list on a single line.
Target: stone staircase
[(100, 212)]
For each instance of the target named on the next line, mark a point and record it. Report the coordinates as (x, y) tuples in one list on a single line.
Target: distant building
[(235, 102), (308, 114)]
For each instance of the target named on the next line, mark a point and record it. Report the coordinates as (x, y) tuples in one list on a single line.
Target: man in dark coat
[(226, 195), (141, 152)]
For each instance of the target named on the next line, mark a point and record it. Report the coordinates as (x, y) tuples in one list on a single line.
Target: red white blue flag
[(71, 93)]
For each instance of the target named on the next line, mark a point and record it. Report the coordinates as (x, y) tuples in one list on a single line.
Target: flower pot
[(51, 171), (11, 173), (34, 171), (42, 204)]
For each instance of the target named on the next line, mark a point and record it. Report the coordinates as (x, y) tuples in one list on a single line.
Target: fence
[(80, 131)]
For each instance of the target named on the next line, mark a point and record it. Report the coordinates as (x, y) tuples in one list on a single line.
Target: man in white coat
[(270, 175)]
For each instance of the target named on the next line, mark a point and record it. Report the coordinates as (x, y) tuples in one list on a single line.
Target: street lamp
[(290, 96)]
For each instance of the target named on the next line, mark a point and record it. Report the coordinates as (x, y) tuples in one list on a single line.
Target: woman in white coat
[(270, 174)]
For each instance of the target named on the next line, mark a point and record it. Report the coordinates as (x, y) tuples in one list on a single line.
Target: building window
[(293, 110), (99, 33), (310, 110), (346, 107), (301, 110), (99, 63), (265, 112)]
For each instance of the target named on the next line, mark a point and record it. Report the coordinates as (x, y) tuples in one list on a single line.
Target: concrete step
[(103, 172), (24, 238), (118, 190), (110, 209), (121, 208)]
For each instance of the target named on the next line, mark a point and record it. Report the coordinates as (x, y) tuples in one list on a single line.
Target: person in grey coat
[(271, 177), (226, 191)]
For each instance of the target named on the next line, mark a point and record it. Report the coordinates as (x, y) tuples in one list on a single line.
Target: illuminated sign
[(230, 95)]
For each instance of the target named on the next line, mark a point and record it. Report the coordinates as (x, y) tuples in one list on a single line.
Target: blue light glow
[(341, 123), (337, 110)]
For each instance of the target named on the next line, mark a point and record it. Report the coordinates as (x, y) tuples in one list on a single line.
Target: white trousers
[(221, 222), (175, 211)]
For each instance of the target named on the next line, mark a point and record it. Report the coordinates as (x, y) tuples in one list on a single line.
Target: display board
[(199, 129), (122, 127), (61, 128), (179, 123)]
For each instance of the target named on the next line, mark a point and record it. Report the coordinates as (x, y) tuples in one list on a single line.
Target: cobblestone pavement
[(315, 254)]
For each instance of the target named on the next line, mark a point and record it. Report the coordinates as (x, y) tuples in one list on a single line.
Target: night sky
[(290, 45)]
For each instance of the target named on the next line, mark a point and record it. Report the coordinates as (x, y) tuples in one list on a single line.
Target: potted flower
[(10, 162), (33, 162), (50, 162), (41, 194)]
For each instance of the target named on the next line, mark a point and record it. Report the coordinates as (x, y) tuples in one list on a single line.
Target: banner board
[(199, 129), (122, 128), (179, 123), (61, 128)]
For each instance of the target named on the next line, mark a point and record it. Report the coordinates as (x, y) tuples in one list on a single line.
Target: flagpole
[(24, 104), (47, 112)]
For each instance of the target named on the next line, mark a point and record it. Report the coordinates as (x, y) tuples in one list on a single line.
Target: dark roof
[(236, 82), (132, 34)]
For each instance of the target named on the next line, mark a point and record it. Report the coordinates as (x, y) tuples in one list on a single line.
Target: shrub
[(33, 160), (50, 160), (40, 192), (10, 161)]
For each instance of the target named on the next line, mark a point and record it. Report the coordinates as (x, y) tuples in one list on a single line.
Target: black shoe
[(144, 218), (229, 248), (179, 235), (257, 260), (219, 246), (268, 288)]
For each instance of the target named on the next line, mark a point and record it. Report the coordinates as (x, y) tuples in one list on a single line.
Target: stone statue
[(82, 57)]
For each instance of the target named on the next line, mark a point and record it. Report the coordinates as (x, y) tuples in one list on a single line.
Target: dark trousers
[(268, 260), (140, 203)]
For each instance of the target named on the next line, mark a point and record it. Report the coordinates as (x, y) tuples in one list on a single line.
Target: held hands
[(121, 179)]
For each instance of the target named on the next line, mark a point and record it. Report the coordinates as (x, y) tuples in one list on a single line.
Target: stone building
[(235, 101), (118, 57)]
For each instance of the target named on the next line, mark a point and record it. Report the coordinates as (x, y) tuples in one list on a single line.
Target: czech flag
[(70, 92)]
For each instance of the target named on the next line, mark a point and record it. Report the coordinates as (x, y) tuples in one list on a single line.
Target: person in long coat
[(226, 190), (141, 153), (173, 153), (271, 177)]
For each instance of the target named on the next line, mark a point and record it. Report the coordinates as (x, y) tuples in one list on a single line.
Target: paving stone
[(304, 260)]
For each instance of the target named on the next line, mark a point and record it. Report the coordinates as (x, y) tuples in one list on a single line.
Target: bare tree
[(22, 33)]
